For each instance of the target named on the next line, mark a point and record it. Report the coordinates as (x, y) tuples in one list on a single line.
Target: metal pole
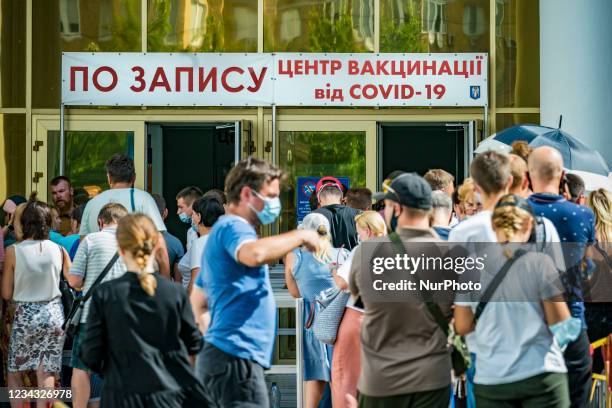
[(299, 331), (486, 122), (274, 134), (62, 155)]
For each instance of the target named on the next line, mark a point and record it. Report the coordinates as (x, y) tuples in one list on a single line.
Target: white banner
[(191, 79)]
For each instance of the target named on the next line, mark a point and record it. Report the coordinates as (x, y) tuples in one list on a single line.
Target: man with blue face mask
[(234, 277), (184, 209)]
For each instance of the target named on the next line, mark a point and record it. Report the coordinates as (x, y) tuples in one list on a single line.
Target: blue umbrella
[(576, 155), (503, 139)]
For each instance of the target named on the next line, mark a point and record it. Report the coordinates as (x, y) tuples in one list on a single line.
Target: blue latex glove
[(566, 331)]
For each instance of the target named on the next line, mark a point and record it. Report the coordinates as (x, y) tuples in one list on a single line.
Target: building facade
[(184, 146)]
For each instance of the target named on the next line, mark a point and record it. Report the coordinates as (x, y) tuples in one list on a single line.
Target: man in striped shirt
[(95, 251)]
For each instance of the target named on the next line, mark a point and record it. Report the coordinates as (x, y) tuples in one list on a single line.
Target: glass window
[(318, 154), (13, 151), (506, 120), (12, 54), (434, 25), (319, 25), (286, 346), (203, 26), (517, 42), (77, 25), (86, 153)]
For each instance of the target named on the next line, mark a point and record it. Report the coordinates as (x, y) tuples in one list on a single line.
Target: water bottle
[(275, 396)]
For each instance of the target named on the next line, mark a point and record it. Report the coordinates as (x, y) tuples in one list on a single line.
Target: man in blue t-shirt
[(234, 277), (576, 227)]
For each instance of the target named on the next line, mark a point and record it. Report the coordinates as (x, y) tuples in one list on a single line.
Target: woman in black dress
[(141, 331)]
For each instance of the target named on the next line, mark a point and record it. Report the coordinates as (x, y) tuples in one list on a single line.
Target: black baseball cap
[(407, 189)]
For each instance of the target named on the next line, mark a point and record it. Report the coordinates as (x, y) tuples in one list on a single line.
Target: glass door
[(343, 149), (85, 147)]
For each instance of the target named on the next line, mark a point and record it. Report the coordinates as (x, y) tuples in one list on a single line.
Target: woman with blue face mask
[(206, 211)]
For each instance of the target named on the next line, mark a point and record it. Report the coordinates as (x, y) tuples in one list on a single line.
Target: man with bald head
[(576, 226)]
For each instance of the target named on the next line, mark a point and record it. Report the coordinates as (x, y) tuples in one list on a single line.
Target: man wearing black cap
[(341, 218), (404, 357)]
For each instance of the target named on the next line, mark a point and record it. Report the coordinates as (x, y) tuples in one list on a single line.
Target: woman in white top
[(519, 361), (346, 363), (31, 279)]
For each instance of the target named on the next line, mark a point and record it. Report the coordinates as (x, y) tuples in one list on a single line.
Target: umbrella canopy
[(576, 154), (502, 140)]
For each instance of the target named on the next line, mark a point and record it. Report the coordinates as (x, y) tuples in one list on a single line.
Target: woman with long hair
[(307, 274), (346, 362), (521, 330), (599, 283), (31, 277), (141, 332)]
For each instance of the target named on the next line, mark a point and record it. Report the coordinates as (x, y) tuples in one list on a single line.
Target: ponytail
[(137, 235)]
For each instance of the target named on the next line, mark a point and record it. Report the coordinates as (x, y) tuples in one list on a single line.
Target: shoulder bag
[(332, 303), (67, 293)]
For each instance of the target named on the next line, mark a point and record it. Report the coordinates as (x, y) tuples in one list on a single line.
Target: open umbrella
[(502, 140), (578, 158)]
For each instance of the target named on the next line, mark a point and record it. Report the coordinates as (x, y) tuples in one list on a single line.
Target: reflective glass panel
[(434, 25), (318, 154), (201, 25), (12, 54), (13, 151), (86, 155), (319, 25), (77, 25), (506, 120), (517, 42)]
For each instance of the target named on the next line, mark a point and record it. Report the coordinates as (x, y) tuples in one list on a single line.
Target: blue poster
[(305, 187)]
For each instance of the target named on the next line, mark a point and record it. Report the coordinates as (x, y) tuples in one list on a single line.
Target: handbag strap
[(433, 307), (497, 280), (98, 280), (133, 204)]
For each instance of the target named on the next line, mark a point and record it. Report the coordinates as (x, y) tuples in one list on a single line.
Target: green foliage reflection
[(319, 154)]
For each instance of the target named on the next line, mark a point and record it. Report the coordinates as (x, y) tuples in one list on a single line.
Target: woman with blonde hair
[(307, 274), (141, 332), (521, 330), (599, 284), (346, 363), (469, 202)]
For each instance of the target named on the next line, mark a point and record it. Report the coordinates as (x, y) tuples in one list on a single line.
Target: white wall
[(576, 69)]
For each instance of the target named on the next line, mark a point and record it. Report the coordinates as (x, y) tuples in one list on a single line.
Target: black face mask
[(394, 218)]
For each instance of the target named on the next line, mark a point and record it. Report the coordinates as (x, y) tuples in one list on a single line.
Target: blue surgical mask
[(185, 218), (271, 210)]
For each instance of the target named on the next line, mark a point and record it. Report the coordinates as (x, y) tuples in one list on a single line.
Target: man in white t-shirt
[(184, 209), (493, 179), (121, 174)]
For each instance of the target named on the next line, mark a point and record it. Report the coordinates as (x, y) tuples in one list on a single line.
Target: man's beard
[(61, 204)]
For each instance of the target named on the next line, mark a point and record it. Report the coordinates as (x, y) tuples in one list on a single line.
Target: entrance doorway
[(181, 155), (446, 146)]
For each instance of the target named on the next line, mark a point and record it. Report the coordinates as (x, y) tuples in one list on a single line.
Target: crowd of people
[(161, 325)]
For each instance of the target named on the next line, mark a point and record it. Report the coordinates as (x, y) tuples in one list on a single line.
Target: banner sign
[(305, 188), (231, 79)]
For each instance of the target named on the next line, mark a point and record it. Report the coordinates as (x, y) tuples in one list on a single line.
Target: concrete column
[(576, 69)]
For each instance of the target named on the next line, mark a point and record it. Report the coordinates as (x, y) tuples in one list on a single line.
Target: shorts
[(231, 381)]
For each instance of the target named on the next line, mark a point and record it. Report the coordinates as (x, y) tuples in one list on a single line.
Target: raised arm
[(265, 250)]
